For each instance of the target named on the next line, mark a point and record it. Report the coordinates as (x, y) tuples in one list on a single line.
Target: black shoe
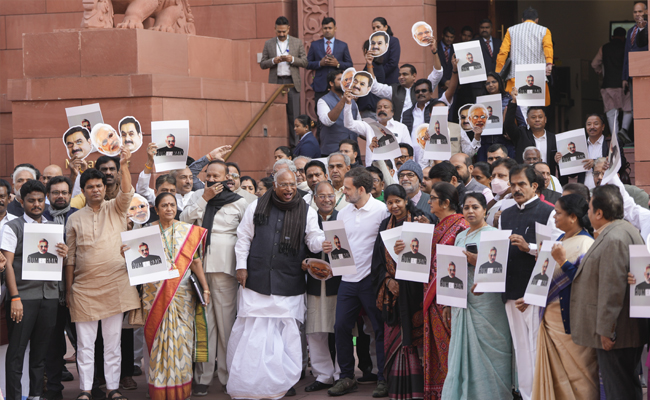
[(291, 392), (66, 376), (316, 386), (302, 375), (137, 371), (367, 378), (51, 395), (200, 390)]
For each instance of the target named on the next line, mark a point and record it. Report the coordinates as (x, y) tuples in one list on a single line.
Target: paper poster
[(40, 259), (414, 262), (492, 262), (131, 133), (494, 122), (77, 142), (614, 158), (173, 141), (106, 140), (87, 116), (530, 81), (341, 258), (388, 144), (319, 269), (452, 276), (543, 233), (139, 211), (422, 33), (471, 67), (573, 147), (146, 260), (347, 78), (438, 147), (379, 42), (361, 83), (640, 292), (389, 237), (541, 277)]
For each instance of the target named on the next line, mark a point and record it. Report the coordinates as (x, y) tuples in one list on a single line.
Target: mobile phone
[(472, 248)]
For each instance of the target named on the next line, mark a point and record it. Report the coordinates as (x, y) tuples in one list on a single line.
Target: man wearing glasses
[(410, 178)]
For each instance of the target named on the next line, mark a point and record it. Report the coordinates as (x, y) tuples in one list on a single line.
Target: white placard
[(438, 147), (414, 262), (614, 156), (40, 259), (471, 66), (389, 237), (541, 277), (640, 292), (87, 116), (494, 124), (173, 141), (492, 262), (388, 144), (145, 260), (572, 145), (530, 81), (543, 233), (452, 276), (341, 259)]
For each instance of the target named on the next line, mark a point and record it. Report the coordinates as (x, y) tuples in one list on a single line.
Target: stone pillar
[(640, 73)]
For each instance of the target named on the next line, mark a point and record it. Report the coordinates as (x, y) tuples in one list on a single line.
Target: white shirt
[(323, 109), (8, 217), (554, 184), (142, 188), (361, 227), (418, 116), (282, 49), (314, 236), (550, 223), (386, 91), (595, 151), (9, 240), (398, 129), (634, 213), (541, 143)]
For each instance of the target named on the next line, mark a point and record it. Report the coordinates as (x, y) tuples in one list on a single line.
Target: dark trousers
[(39, 319), (54, 361), (351, 297), (128, 355), (618, 369), (363, 348), (293, 108)]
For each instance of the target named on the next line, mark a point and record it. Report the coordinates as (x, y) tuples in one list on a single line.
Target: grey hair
[(307, 159), (598, 161), (289, 163), (338, 153), (282, 171), (21, 169), (529, 148)]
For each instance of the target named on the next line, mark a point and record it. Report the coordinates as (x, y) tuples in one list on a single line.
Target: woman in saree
[(175, 330), (563, 369), (480, 350), (444, 205), (400, 303)]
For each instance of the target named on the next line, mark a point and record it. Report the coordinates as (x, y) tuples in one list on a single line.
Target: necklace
[(569, 237), (169, 252)]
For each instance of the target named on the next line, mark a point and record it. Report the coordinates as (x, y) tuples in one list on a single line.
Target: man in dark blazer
[(283, 56), (600, 298), (635, 40), (523, 137), (489, 45), (445, 53), (324, 57)]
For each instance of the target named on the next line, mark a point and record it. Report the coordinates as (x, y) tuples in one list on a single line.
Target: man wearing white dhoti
[(264, 352)]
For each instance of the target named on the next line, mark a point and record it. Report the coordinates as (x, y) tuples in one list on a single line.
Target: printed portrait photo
[(572, 146), (470, 64), (451, 281), (339, 252), (42, 256), (346, 78), (530, 87), (87, 116), (139, 211), (106, 140), (437, 137), (131, 133), (77, 142), (145, 259), (379, 42), (414, 256), (478, 116), (541, 279), (170, 148), (492, 266), (40, 259), (361, 83), (492, 118), (422, 33)]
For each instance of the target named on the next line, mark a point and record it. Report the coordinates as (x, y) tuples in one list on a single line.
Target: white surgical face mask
[(499, 186)]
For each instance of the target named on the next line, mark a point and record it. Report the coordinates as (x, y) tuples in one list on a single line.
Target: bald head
[(50, 172)]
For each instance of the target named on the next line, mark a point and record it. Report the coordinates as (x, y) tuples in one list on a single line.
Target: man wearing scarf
[(264, 352), (219, 210), (59, 193)]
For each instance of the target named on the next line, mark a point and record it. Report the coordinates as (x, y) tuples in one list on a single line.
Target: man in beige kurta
[(96, 275)]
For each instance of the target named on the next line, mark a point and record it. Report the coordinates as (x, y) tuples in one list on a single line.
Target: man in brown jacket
[(600, 298), (283, 56)]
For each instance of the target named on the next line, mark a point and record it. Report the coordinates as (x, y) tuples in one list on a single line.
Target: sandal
[(116, 391), (87, 394)]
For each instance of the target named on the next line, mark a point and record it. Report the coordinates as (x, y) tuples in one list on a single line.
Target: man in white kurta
[(264, 351)]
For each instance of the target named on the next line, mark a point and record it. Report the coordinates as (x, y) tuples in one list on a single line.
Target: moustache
[(128, 141), (518, 194), (382, 113)]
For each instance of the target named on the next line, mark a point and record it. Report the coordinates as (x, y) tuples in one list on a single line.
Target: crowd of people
[(247, 307)]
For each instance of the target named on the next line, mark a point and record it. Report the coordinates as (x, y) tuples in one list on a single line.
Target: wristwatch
[(338, 66)]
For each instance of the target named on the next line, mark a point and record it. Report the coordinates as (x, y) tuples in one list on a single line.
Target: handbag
[(198, 289), (136, 317), (506, 68)]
